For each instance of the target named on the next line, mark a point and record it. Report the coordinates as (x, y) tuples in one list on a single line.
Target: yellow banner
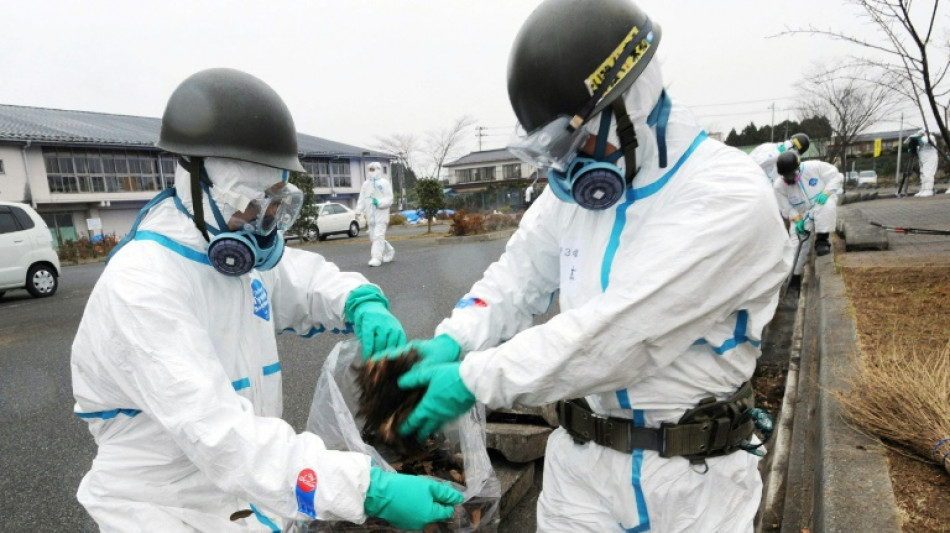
[(877, 147)]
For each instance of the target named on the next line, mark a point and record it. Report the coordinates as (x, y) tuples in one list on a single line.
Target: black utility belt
[(710, 429)]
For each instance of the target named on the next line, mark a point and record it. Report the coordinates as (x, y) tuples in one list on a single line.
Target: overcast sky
[(355, 70)]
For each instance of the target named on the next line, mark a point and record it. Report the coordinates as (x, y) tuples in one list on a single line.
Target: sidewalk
[(837, 478)]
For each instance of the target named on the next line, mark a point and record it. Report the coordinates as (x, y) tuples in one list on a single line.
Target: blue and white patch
[(261, 301), (812, 182), (471, 302)]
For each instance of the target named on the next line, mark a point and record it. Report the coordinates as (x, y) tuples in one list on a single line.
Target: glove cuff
[(375, 502), (446, 342), (360, 299)]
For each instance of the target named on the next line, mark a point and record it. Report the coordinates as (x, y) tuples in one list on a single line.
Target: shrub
[(466, 224), (84, 248), (397, 220), (496, 221)]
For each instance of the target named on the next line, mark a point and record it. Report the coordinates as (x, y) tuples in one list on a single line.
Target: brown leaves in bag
[(384, 405)]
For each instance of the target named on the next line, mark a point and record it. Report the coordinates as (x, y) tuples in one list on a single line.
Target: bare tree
[(442, 144), (850, 104), (914, 54), (403, 146)]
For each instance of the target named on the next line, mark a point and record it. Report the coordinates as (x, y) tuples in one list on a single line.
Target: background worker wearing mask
[(376, 197), (175, 365), (766, 154), (921, 145), (807, 191), (668, 252)]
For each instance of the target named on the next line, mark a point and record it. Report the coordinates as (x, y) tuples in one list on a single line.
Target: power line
[(742, 102), (753, 112)]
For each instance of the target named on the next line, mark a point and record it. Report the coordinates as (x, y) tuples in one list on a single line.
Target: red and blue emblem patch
[(306, 492), (470, 302)]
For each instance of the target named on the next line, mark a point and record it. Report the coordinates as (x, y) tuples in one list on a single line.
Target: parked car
[(335, 219), (867, 178), (27, 257)]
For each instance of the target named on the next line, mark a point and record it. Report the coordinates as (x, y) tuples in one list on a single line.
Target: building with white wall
[(492, 178), (80, 169)]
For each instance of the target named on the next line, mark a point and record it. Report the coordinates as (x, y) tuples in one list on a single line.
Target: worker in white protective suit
[(667, 253), (766, 154), (175, 365), (808, 199), (376, 197), (921, 145)]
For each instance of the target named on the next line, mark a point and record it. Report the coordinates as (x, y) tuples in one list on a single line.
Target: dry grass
[(902, 317), (904, 397)]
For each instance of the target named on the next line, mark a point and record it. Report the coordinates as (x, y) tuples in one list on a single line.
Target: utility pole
[(479, 133), (900, 147), (772, 127)]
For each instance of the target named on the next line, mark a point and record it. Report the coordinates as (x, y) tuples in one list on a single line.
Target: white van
[(27, 258)]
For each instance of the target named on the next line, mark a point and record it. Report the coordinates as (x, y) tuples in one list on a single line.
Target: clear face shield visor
[(554, 145), (277, 210)]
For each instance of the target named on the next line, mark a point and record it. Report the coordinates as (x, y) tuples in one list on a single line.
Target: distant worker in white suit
[(807, 191), (921, 145), (766, 154), (376, 197)]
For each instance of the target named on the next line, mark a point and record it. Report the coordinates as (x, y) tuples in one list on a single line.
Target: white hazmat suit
[(800, 199), (376, 197), (663, 299), (175, 369), (766, 154), (927, 157)]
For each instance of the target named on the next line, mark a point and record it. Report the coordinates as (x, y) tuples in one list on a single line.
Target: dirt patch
[(907, 309), (769, 384)]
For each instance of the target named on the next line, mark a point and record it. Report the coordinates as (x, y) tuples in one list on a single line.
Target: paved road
[(45, 449)]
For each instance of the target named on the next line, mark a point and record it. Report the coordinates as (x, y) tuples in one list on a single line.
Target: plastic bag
[(333, 418)]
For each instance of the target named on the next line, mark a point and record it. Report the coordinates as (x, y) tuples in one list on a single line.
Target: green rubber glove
[(409, 502), (376, 328), (800, 227), (821, 198), (446, 398), (442, 349), (375, 201)]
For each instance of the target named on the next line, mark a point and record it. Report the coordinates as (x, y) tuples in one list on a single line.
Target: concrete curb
[(853, 487), (495, 235)]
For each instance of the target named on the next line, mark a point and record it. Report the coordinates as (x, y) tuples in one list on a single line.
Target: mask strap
[(659, 117), (628, 139), (602, 134), (218, 217)]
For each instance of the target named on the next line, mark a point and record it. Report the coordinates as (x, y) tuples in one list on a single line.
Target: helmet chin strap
[(196, 169), (628, 139)]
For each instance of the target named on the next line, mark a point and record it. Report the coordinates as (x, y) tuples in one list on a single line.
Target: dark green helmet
[(223, 112), (564, 52), (800, 142), (787, 165)]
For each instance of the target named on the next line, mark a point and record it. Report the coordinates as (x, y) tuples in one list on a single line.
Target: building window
[(322, 169), (60, 227), (1, 167), (483, 174), (464, 175), (511, 171), (341, 173), (90, 171)]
